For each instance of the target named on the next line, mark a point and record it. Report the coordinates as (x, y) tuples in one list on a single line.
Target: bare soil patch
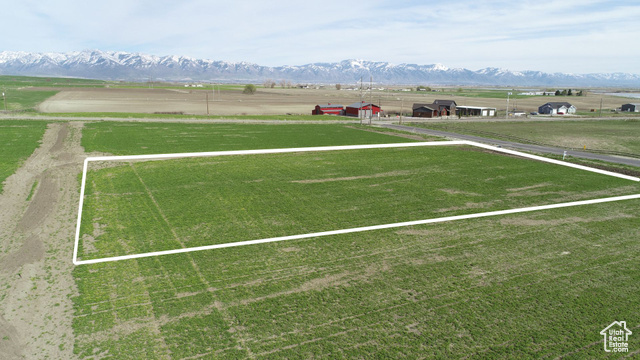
[(263, 102), (36, 238), (556, 222), (537, 186), (459, 192), (274, 101), (32, 250), (372, 176)]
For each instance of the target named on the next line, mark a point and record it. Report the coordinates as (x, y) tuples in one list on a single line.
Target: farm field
[(26, 99), (609, 135), (73, 97), (120, 138), (503, 288), (24, 93), (24, 82), (533, 285), (498, 287), (203, 201), (18, 139), (231, 101)]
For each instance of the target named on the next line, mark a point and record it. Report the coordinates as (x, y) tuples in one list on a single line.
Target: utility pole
[(4, 97), (207, 93), (361, 101), (370, 98), (506, 116), (598, 115), (213, 90), (401, 109)]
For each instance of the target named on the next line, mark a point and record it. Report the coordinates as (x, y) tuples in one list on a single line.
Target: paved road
[(518, 146)]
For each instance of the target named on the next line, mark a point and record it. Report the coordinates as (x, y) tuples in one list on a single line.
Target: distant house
[(557, 108), (475, 111), (449, 105), (328, 109), (438, 108), (426, 110), (630, 107), (362, 109)]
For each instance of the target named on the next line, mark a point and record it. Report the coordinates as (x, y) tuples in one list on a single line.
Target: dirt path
[(36, 243)]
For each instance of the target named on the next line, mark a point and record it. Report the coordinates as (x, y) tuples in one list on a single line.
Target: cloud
[(570, 35)]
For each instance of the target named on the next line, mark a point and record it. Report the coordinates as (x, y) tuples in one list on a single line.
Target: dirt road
[(36, 240)]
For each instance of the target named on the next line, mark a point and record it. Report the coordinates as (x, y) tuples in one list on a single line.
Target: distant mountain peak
[(119, 65)]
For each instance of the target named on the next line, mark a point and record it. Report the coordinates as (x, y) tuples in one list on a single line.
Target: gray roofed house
[(445, 102), (428, 110), (557, 108), (438, 108)]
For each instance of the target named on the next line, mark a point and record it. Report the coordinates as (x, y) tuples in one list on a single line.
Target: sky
[(572, 36)]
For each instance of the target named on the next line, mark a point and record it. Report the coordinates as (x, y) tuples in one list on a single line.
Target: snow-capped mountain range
[(106, 65)]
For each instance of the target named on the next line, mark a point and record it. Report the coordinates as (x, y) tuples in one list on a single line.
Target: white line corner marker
[(342, 231)]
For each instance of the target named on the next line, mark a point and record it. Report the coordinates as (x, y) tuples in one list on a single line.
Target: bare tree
[(283, 83), (269, 84), (338, 86)]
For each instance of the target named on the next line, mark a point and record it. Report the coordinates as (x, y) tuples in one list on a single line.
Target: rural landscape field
[(540, 284)]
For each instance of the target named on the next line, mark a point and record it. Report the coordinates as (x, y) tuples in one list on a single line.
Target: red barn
[(328, 109), (362, 109)]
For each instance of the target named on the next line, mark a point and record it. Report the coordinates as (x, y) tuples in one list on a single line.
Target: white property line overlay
[(342, 231)]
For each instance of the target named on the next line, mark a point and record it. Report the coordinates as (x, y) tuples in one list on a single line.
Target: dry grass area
[(276, 101)]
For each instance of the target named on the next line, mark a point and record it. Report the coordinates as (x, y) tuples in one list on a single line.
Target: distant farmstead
[(362, 109), (328, 109), (631, 107), (438, 108), (475, 111), (557, 108), (426, 110), (448, 105)]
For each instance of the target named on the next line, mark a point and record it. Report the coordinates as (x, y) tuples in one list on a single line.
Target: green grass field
[(18, 140), (120, 116), (10, 81), (24, 93), (204, 201), (25, 99), (610, 135), (176, 85), (478, 93), (158, 138), (520, 286)]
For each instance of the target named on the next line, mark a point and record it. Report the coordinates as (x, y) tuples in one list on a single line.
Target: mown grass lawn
[(520, 286)]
